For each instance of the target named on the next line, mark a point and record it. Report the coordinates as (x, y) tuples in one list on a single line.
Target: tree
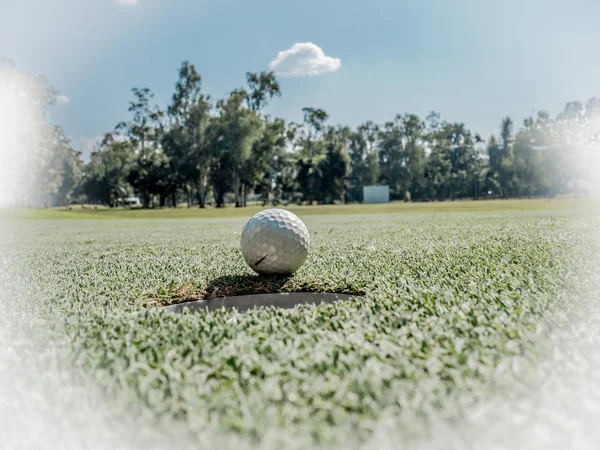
[(453, 168), (392, 158), (311, 152), (526, 165), (262, 88), (263, 165), (335, 165), (364, 160), (187, 144), (258, 171), (182, 173), (69, 169), (414, 150), (502, 160), (149, 176), (145, 133), (56, 171), (106, 176), (236, 130), (233, 148), (145, 124), (39, 167)]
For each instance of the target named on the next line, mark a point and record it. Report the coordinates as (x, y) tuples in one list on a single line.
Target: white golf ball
[(275, 241)]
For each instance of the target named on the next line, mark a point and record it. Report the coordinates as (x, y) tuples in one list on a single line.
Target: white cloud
[(62, 99), (304, 59), (128, 2)]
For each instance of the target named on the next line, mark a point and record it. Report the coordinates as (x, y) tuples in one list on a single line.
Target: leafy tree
[(453, 168), (259, 169), (145, 132), (364, 160), (57, 169), (235, 149), (311, 152), (438, 168), (106, 176), (335, 165), (392, 158), (262, 88), (145, 124), (181, 172), (148, 175), (187, 144), (69, 168), (502, 160), (264, 163), (39, 167), (414, 150), (237, 128)]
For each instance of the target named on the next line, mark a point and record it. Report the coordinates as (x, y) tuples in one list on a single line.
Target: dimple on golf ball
[(275, 241)]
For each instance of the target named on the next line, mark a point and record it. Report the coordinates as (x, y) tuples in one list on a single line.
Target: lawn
[(453, 301), (102, 212)]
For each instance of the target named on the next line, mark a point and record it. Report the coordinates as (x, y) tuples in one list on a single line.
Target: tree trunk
[(201, 176), (236, 188), (220, 200), (188, 195), (201, 192), (174, 199)]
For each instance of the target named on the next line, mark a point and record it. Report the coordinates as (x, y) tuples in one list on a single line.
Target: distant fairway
[(452, 301), (102, 212)]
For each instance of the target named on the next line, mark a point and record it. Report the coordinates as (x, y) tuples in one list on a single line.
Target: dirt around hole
[(231, 286)]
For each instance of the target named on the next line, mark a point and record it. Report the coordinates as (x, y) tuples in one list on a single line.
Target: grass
[(101, 212), (451, 302)]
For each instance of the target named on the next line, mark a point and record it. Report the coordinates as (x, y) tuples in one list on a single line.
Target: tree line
[(202, 151)]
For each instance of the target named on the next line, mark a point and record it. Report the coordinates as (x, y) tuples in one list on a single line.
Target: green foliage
[(364, 159), (267, 159), (187, 141), (149, 175), (106, 178), (57, 169), (334, 167), (143, 128), (202, 151), (236, 130), (459, 161), (311, 145), (39, 167), (262, 87), (402, 155)]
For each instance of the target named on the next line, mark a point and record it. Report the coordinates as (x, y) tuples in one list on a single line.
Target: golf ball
[(275, 241)]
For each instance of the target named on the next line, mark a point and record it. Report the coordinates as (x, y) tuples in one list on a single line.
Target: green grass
[(451, 301), (101, 212)]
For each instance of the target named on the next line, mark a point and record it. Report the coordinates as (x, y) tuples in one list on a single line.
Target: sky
[(473, 61)]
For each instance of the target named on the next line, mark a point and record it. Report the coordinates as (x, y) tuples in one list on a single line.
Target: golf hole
[(283, 300)]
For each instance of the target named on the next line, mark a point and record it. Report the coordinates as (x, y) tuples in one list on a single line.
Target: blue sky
[(473, 61)]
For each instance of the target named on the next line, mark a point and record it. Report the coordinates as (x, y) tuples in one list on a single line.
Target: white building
[(376, 194), (130, 201)]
